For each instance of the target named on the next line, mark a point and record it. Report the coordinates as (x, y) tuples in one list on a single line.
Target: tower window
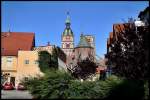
[(68, 45), (89, 40)]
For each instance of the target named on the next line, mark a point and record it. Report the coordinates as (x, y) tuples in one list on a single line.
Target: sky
[(47, 19)]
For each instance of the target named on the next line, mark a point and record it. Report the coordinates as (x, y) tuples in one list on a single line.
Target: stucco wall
[(27, 70), (9, 63)]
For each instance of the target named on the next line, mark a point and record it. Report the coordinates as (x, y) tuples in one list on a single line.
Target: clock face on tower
[(68, 38)]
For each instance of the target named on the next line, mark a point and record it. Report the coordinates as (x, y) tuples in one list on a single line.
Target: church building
[(67, 38)]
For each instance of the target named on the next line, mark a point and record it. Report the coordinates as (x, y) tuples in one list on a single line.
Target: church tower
[(67, 38)]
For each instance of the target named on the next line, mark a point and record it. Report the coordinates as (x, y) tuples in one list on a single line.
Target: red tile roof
[(110, 38), (11, 42), (119, 28), (111, 35)]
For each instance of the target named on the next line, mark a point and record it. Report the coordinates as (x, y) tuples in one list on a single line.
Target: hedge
[(57, 84)]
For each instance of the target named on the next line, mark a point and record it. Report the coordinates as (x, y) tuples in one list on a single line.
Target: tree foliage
[(54, 58), (84, 69), (47, 60), (56, 84), (128, 55), (44, 60)]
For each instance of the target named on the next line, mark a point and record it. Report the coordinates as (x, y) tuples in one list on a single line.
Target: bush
[(101, 89), (56, 84), (128, 89), (52, 85), (78, 90)]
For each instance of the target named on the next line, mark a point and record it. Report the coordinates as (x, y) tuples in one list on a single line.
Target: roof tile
[(11, 42)]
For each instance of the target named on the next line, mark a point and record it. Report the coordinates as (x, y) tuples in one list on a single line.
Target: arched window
[(68, 45)]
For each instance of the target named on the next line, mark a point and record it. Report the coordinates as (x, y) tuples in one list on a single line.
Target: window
[(26, 78), (88, 40), (26, 61), (68, 45), (2, 49), (9, 59), (19, 49), (36, 62)]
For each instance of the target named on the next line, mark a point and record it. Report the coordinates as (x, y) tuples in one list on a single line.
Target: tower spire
[(67, 12), (67, 37), (68, 18)]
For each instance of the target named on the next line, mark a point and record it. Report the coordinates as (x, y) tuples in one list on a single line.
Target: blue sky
[(47, 19)]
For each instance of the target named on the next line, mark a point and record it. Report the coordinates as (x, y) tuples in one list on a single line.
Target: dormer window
[(19, 49)]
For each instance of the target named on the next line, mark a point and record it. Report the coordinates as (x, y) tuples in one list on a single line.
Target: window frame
[(67, 45), (25, 62), (36, 62)]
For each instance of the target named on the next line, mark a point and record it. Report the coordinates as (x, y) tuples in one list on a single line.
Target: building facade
[(144, 16), (49, 48), (28, 65), (18, 59), (67, 38), (118, 30), (90, 40)]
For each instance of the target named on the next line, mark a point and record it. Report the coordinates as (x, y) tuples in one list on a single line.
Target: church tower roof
[(68, 30), (83, 42)]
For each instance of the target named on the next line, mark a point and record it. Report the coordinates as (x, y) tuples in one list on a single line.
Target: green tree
[(47, 60), (128, 54), (54, 58), (84, 69), (44, 60)]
